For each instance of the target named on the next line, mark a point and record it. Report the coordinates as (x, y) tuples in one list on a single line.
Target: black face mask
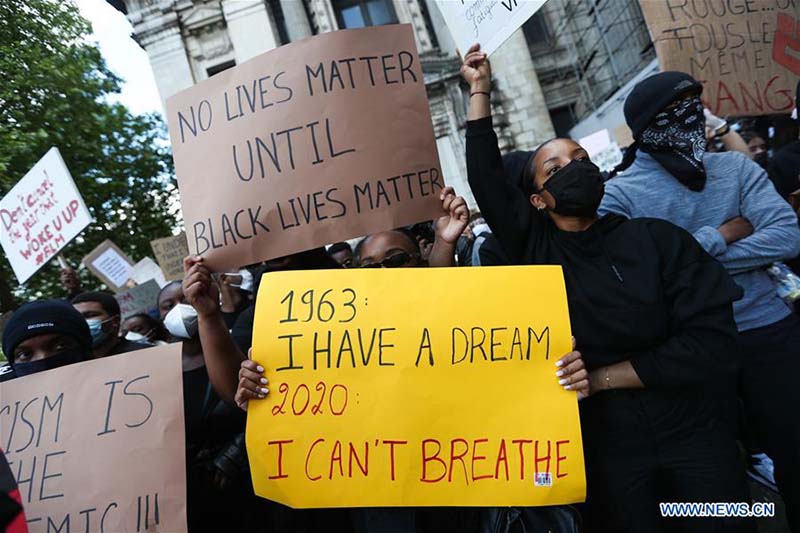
[(762, 159), (577, 189), (67, 357)]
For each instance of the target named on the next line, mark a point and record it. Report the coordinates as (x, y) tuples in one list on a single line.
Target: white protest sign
[(603, 152), (147, 269), (488, 22), (110, 264), (41, 215), (114, 266)]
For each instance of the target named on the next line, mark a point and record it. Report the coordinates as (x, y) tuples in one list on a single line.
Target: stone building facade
[(585, 52), (189, 40), (555, 69)]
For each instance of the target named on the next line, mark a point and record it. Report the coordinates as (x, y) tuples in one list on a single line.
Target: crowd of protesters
[(685, 348)]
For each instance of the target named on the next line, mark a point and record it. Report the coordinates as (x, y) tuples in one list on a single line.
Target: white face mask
[(480, 228), (136, 337), (247, 280), (181, 321)]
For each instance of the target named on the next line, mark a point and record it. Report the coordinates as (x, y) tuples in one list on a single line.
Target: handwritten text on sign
[(746, 53), (488, 22), (110, 264), (41, 215), (388, 390), (99, 446), (317, 141), (169, 253)]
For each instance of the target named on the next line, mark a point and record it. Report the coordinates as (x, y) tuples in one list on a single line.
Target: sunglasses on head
[(397, 260)]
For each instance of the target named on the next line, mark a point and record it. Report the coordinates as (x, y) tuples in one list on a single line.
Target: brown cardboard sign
[(169, 253), (317, 141), (746, 54), (99, 445), (110, 264)]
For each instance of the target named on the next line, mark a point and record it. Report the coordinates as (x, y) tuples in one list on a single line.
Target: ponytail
[(627, 159)]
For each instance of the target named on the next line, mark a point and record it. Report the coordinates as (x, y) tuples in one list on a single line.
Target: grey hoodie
[(735, 186)]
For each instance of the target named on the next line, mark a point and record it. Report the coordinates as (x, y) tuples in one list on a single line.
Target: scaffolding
[(593, 48)]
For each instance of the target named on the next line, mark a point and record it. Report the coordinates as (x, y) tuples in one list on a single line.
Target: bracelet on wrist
[(722, 131), (488, 95)]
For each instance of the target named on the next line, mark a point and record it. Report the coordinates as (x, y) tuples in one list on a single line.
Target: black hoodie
[(641, 290)]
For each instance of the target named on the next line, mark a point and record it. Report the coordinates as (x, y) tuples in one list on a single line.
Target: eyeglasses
[(397, 260)]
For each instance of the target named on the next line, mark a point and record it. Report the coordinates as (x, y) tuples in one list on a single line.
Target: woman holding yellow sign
[(652, 314)]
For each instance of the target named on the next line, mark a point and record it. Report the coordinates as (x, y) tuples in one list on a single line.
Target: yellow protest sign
[(414, 387)]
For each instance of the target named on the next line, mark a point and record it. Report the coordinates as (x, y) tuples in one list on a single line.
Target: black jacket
[(641, 290), (784, 169)]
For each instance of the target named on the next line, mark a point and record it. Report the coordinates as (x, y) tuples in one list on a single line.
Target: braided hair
[(627, 160)]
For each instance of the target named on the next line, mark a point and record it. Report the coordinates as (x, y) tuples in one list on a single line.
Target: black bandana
[(677, 139)]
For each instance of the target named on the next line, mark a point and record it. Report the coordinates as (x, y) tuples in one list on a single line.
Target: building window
[(362, 13), (423, 6), (280, 20), (216, 69), (536, 30), (563, 120)]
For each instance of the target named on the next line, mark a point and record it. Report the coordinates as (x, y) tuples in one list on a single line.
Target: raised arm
[(449, 228), (718, 128), (223, 358), (501, 202)]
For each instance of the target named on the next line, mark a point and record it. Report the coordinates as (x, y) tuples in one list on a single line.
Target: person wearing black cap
[(784, 168), (730, 206), (652, 316), (102, 314), (44, 335)]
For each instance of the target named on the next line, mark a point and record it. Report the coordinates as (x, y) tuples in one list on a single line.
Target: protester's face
[(757, 146), (94, 310), (344, 257), (552, 157), (171, 297), (140, 325), (389, 249), (43, 346)]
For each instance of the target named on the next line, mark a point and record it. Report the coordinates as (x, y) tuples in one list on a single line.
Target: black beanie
[(42, 317), (650, 96)]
